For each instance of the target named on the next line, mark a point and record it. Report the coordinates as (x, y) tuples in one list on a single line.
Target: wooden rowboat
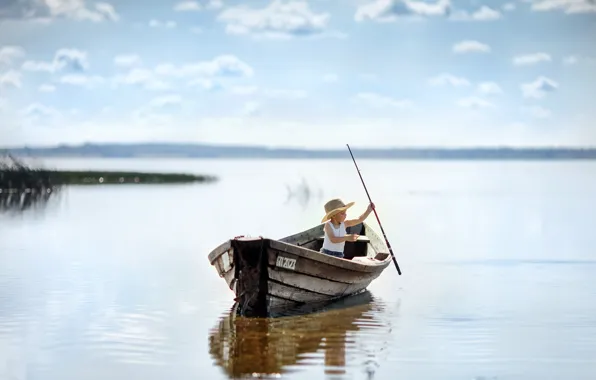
[(266, 274)]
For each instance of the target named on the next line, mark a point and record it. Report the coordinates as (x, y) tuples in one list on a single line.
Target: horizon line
[(222, 145)]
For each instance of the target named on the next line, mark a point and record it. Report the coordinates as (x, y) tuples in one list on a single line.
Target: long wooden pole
[(375, 211)]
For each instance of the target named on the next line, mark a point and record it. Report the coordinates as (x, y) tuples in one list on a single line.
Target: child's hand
[(371, 207), (352, 237)]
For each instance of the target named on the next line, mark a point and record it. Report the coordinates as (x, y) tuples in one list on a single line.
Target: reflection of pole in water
[(377, 352), (335, 354)]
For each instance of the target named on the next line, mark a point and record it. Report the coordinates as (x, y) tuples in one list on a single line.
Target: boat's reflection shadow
[(292, 338)]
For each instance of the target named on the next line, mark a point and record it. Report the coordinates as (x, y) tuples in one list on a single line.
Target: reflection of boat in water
[(244, 346)]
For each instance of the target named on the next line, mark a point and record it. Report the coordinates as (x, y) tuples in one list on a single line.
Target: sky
[(323, 73)]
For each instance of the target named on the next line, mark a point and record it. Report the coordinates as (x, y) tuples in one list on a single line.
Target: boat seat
[(365, 260), (361, 238)]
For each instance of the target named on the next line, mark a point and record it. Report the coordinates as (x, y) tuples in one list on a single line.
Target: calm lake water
[(498, 262)]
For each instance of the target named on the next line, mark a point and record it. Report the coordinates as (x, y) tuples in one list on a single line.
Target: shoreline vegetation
[(17, 177), (176, 150), (24, 187)]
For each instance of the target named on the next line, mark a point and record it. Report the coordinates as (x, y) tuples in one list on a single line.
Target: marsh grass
[(16, 176)]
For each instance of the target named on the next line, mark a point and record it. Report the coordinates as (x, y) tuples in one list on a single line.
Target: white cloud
[(166, 100), (285, 94), (470, 46), (107, 11), (445, 78), (455, 129), (204, 83), (199, 73), (10, 53), (575, 59), (381, 101), (127, 60), (38, 113), (244, 90), (268, 92), (78, 10), (150, 117), (39, 66), (537, 112), (89, 81), (215, 4), (391, 10), (509, 7), (162, 24), (474, 102), (330, 78), (483, 14), (10, 78), (369, 77), (196, 6), (155, 112), (73, 59), (187, 6), (489, 88), (539, 88), (567, 6), (276, 20), (251, 108), (223, 65), (47, 88), (571, 60), (531, 59), (143, 77)]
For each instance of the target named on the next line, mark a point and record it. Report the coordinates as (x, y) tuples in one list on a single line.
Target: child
[(336, 224)]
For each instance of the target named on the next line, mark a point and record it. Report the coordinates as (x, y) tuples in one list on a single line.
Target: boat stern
[(251, 286), (242, 262)]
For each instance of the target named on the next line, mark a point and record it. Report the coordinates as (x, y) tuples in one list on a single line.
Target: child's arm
[(362, 218), (335, 239)]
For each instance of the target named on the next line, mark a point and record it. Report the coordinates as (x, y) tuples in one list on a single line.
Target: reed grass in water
[(15, 176)]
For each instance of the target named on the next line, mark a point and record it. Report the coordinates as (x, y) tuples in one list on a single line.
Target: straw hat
[(334, 206)]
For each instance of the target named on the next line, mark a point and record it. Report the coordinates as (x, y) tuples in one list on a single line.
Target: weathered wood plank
[(294, 294), (277, 302), (317, 285), (224, 262), (305, 236), (213, 255), (230, 278), (375, 240), (318, 269)]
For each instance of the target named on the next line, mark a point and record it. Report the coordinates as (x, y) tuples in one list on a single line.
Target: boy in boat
[(336, 224)]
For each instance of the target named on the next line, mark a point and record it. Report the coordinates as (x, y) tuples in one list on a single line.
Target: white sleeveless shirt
[(338, 232)]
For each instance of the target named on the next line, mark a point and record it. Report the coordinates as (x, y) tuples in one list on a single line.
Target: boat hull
[(266, 274)]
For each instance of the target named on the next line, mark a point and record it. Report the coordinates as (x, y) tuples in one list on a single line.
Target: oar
[(375, 211)]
